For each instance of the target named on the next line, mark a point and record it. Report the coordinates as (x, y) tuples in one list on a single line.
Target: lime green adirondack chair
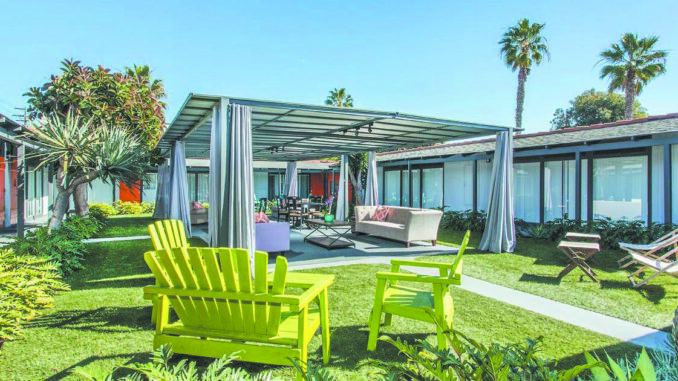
[(222, 309), (166, 234), (413, 303)]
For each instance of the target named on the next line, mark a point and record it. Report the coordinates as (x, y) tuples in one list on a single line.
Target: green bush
[(128, 207), (148, 207), (464, 220), (101, 211), (27, 285), (64, 245)]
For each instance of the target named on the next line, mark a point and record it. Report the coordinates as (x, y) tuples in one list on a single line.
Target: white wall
[(99, 191)]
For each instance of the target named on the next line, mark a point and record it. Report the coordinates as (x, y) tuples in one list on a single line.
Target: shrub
[(664, 367), (464, 220), (64, 245), (27, 285), (128, 207), (101, 211), (148, 207)]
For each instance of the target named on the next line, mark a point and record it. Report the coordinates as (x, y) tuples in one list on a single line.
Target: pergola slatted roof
[(289, 131)]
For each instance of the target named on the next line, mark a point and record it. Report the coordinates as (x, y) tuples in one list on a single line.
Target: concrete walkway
[(114, 239)]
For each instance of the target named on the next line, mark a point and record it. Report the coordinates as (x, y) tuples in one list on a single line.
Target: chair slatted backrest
[(455, 272), (226, 270), (168, 234)]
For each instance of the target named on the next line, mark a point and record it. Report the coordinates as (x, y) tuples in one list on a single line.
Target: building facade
[(620, 170)]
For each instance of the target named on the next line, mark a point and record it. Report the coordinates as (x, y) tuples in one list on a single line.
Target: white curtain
[(291, 179), (162, 197), (500, 232), (372, 191), (342, 196), (241, 185), (217, 179), (179, 208)]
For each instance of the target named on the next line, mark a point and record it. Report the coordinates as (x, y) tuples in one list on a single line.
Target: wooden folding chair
[(652, 250), (578, 253), (660, 265)]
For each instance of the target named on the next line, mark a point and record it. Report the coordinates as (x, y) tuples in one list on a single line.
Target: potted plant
[(327, 213)]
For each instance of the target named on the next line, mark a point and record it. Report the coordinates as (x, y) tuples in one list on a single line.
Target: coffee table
[(336, 239)]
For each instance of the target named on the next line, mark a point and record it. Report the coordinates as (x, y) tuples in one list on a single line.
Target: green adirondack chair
[(223, 309), (166, 234), (414, 303)]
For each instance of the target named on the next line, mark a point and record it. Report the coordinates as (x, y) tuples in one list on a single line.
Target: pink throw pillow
[(195, 205), (261, 218), (380, 214)]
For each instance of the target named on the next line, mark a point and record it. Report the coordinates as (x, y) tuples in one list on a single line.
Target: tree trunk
[(630, 96), (80, 200), (357, 187), (58, 209), (520, 96)]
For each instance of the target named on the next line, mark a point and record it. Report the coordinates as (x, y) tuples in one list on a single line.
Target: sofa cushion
[(384, 225), (261, 218), (195, 205)]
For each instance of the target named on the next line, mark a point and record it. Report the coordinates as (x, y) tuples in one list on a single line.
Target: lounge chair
[(223, 309), (414, 303), (653, 250), (660, 265)]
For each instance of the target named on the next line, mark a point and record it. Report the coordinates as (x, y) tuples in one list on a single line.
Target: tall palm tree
[(339, 98), (630, 64), (521, 47)]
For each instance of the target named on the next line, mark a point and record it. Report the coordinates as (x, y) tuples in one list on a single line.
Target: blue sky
[(429, 58)]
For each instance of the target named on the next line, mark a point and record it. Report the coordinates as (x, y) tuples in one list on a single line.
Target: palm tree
[(522, 46), (630, 64), (339, 98)]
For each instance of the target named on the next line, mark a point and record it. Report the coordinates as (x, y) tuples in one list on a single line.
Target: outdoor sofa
[(401, 224)]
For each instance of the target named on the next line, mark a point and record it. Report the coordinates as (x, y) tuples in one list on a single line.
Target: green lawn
[(125, 226), (536, 263), (104, 322)]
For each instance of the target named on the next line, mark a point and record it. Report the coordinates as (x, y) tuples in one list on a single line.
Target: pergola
[(233, 132)]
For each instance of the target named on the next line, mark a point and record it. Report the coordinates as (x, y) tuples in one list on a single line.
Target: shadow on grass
[(136, 358), (540, 279), (651, 292), (103, 319)]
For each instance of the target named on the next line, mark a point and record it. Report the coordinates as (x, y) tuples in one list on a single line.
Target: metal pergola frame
[(283, 131)]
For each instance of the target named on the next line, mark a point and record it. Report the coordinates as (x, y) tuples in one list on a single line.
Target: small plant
[(27, 286), (63, 245), (642, 369), (101, 211), (128, 207), (160, 369), (464, 220), (147, 207)]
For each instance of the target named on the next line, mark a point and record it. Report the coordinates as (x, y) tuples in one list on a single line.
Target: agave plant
[(82, 154)]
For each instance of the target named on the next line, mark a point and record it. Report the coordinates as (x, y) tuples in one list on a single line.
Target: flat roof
[(283, 131), (633, 128)]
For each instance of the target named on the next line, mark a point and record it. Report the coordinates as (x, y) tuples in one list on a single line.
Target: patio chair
[(392, 298), (660, 265), (654, 249), (166, 235), (223, 309), (282, 209)]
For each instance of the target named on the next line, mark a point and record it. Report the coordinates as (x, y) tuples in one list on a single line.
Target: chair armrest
[(413, 263), (417, 278)]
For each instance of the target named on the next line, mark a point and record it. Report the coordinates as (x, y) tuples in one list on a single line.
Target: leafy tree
[(521, 47), (630, 64), (357, 162), (129, 101), (339, 98), (593, 107), (83, 153)]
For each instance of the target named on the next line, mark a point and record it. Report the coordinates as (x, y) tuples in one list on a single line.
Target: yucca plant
[(82, 154), (27, 286)]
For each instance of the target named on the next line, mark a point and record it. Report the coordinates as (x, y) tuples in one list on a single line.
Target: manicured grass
[(534, 268), (125, 226), (104, 322)]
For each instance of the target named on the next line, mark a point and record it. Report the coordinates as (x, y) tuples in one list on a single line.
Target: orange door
[(130, 194)]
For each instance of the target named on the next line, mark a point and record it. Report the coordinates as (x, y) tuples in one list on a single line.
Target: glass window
[(392, 187), (304, 185), (380, 183), (584, 187), (203, 187), (150, 187), (620, 188), (484, 174), (260, 185), (559, 192), (458, 185), (674, 187), (191, 186), (526, 191), (432, 188), (405, 188)]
